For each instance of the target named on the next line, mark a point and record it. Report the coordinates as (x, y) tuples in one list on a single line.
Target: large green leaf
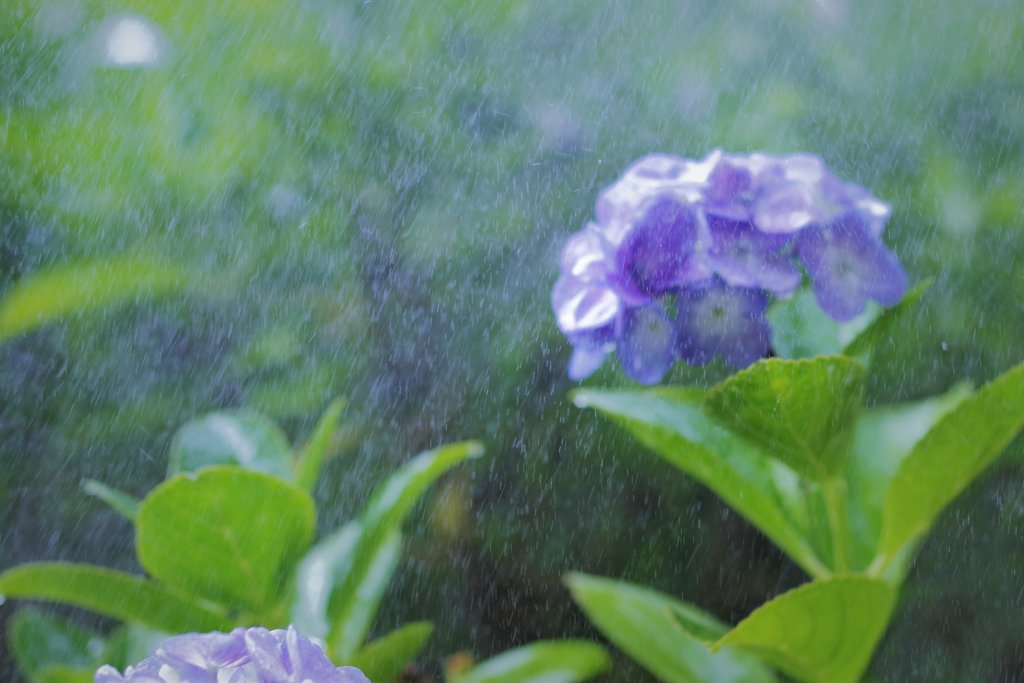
[(880, 329), (673, 424), (383, 659), (800, 329), (314, 453), (59, 673), (800, 411), (667, 637), (115, 594), (950, 456), (61, 291), (821, 632), (242, 438), (884, 437), (380, 521), (39, 641), (553, 661), (227, 534), (353, 621), (324, 566)]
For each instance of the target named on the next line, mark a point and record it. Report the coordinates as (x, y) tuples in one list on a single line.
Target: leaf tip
[(580, 398), (576, 582)]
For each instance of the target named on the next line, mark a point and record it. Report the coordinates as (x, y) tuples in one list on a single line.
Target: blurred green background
[(275, 203)]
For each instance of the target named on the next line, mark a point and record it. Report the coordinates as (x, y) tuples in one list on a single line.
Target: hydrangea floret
[(245, 655), (684, 257)]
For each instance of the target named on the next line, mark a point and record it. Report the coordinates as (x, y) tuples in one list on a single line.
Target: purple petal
[(301, 653), (848, 265), (350, 674), (153, 670), (108, 674), (745, 257), (719, 320), (584, 362), (730, 191), (657, 168), (647, 177), (803, 169), (652, 258), (584, 308), (265, 657), (647, 347), (306, 661), (584, 256), (846, 197), (266, 653), (786, 207), (207, 651)]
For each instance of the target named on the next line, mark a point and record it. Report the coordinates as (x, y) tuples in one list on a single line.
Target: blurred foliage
[(848, 495), (371, 197), (227, 541)]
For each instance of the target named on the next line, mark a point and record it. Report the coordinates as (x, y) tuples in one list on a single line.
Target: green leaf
[(880, 329), (242, 438), (294, 391), (821, 632), (324, 566), (669, 638), (800, 411), (114, 594), (384, 658), (950, 456), (318, 447), (49, 295), (129, 644), (673, 424), (800, 329), (352, 623), (65, 674), (227, 534), (383, 516), (124, 504), (552, 661), (40, 640), (883, 438)]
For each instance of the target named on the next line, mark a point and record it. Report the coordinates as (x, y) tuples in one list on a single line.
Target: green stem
[(815, 561), (878, 566), (814, 567), (834, 491)]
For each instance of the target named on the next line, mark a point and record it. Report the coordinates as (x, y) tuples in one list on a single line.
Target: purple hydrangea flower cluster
[(684, 256), (253, 655)]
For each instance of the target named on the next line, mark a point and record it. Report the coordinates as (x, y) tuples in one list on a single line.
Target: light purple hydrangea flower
[(647, 345), (716, 319), (253, 655), (744, 256), (848, 265), (684, 256)]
